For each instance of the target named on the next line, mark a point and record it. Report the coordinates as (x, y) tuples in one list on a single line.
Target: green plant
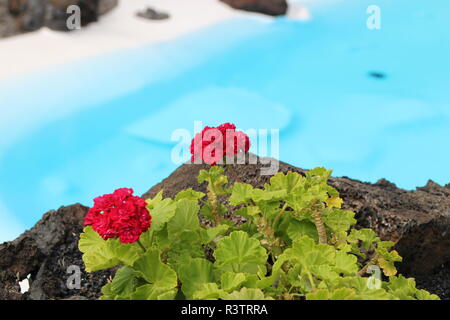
[(297, 243)]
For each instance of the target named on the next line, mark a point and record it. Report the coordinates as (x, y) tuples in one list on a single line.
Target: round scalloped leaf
[(232, 281), (96, 253), (240, 253), (298, 229), (339, 220), (189, 194), (124, 282), (154, 292), (194, 274), (346, 263), (208, 291), (241, 193), (289, 182), (162, 212), (246, 294), (154, 271), (185, 219), (338, 294)]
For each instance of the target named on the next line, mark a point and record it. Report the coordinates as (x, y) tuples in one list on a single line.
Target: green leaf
[(215, 232), (319, 171), (425, 295), (232, 281), (367, 237), (154, 271), (208, 291), (248, 212), (298, 229), (246, 294), (338, 294), (288, 182), (152, 202), (162, 212), (154, 292), (322, 294), (240, 253), (241, 193), (364, 290), (308, 254), (189, 194), (339, 220), (107, 292), (124, 282), (185, 219), (387, 259), (346, 263), (96, 254), (127, 253), (194, 274), (264, 195), (216, 180)]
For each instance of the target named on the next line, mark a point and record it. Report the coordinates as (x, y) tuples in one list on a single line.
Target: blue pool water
[(71, 133)]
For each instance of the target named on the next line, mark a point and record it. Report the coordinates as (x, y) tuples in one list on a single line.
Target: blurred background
[(86, 111)]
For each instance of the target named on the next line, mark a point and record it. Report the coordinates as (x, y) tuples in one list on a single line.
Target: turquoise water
[(71, 133)]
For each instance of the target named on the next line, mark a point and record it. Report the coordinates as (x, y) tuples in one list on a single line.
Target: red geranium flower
[(214, 143), (119, 215)]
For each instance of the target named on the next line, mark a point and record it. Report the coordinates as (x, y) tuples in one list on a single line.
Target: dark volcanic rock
[(45, 252), (18, 16), (418, 221), (269, 7), (8, 25), (152, 14)]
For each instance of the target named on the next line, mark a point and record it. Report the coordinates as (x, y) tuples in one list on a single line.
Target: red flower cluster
[(119, 215), (214, 143)]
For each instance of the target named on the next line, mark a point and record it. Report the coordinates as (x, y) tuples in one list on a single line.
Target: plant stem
[(142, 247), (279, 216), (311, 280), (213, 200), (372, 261), (319, 225)]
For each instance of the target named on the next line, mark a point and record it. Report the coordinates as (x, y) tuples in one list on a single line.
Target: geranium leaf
[(154, 271), (153, 292), (189, 194), (346, 263), (126, 253), (96, 254), (240, 253), (125, 281), (193, 274), (184, 220), (298, 229), (241, 193), (162, 212), (339, 220), (288, 182), (334, 202), (208, 291), (214, 232), (231, 281), (246, 294)]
